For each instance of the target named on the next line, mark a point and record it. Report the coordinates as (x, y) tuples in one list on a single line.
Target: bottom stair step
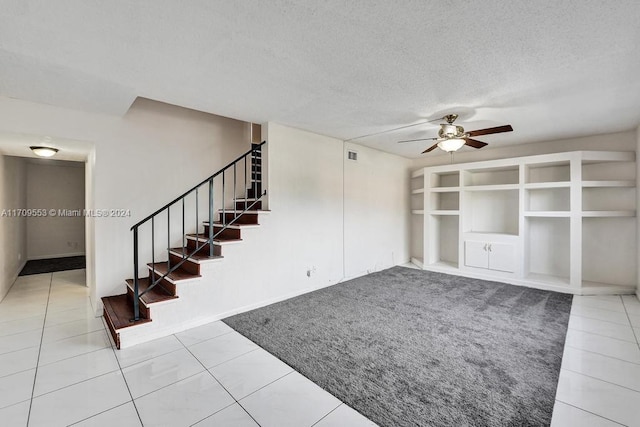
[(118, 313)]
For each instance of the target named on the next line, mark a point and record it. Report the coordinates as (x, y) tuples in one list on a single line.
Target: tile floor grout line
[(71, 357), (18, 333), (601, 320), (277, 379), (600, 379), (330, 412), (113, 349), (601, 354), (602, 335), (146, 360), (35, 375), (76, 383), (589, 412), (98, 413), (167, 385), (582, 305), (631, 324), (14, 404), (221, 385), (235, 357), (200, 342), (73, 336), (18, 349), (17, 372)]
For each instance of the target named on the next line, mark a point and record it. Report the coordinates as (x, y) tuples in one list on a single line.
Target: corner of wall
[(638, 210)]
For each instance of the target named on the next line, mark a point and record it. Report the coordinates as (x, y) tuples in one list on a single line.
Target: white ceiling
[(552, 69), (13, 144)]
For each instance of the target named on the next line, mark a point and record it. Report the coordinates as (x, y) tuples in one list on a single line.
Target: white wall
[(139, 162), (331, 219), (13, 253), (377, 217), (343, 218), (59, 186)]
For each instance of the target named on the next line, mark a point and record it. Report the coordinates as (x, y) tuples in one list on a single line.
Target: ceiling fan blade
[(394, 129), (474, 143), (414, 140), (489, 131), (433, 147)]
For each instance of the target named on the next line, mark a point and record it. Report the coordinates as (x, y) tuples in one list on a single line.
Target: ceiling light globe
[(44, 151), (449, 145)]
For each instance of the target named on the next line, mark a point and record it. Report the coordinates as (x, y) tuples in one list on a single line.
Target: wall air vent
[(352, 155)]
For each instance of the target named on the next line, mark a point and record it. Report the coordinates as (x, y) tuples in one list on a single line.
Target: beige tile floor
[(58, 367)]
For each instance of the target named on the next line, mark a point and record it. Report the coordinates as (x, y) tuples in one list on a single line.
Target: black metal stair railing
[(256, 189)]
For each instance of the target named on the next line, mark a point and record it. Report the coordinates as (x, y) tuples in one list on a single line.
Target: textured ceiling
[(552, 69)]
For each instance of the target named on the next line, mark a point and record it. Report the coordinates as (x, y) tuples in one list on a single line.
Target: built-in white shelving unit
[(562, 221)]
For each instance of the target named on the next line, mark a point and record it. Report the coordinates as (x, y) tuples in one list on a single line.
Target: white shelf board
[(418, 191), (444, 212), (444, 265), (589, 157), (553, 184), (445, 189), (548, 279), (548, 214), (492, 187), (596, 184), (417, 212), (418, 173), (608, 214), (490, 233)]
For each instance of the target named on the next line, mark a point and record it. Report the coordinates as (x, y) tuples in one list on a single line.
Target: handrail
[(256, 147), (198, 248), (256, 187)]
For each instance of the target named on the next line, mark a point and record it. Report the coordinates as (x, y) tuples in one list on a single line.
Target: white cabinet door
[(476, 254), (502, 257)]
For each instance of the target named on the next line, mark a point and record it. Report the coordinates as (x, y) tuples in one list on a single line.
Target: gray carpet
[(51, 265), (409, 347)]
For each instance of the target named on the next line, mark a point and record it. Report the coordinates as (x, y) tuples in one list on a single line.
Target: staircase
[(181, 259)]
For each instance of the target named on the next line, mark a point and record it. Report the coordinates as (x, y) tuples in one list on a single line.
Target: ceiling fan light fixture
[(453, 144), (43, 151)]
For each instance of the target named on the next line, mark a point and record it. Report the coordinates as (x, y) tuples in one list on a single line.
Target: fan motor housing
[(450, 131)]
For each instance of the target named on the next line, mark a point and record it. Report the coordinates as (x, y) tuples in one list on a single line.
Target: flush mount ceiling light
[(43, 151)]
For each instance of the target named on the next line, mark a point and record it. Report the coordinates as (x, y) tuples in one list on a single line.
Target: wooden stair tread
[(179, 274), (217, 239), (155, 295), (196, 256), (234, 225), (251, 211), (119, 309)]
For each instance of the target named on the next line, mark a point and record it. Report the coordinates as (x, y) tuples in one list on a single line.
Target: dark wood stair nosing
[(154, 269), (235, 226), (178, 252), (148, 304), (217, 241)]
